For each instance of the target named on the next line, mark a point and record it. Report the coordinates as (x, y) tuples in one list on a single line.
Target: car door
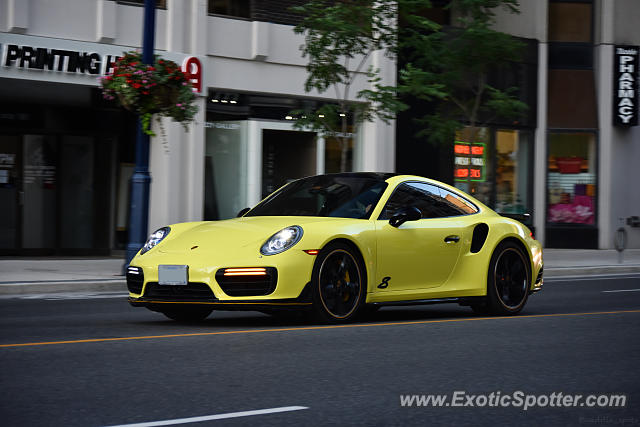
[(420, 254)]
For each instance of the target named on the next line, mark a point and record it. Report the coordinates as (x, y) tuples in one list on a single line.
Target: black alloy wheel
[(339, 284), (508, 281)]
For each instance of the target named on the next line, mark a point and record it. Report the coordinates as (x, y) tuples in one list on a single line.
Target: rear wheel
[(188, 314), (339, 284), (508, 281)]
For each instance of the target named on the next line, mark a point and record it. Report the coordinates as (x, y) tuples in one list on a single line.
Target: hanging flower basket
[(161, 88)]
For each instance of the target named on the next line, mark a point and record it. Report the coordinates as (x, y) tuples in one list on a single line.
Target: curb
[(600, 270), (26, 288)]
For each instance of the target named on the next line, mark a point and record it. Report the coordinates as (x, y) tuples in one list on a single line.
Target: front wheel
[(339, 284), (508, 281), (188, 314)]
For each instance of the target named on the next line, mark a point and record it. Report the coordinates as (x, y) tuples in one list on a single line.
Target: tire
[(339, 284), (508, 281), (188, 314)]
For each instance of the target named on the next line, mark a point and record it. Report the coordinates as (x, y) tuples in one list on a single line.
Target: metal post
[(141, 180)]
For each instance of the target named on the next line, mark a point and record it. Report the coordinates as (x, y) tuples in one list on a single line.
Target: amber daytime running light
[(245, 271)]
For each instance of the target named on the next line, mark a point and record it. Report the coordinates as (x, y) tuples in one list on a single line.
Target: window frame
[(140, 3), (397, 187)]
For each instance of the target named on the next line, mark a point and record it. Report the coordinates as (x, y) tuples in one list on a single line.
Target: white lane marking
[(624, 290), (215, 417)]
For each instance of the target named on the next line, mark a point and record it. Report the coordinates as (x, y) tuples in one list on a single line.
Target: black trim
[(480, 233), (157, 304), (416, 302)]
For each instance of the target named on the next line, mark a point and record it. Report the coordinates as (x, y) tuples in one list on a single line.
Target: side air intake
[(480, 233)]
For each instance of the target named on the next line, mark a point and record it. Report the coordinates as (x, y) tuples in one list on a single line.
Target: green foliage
[(340, 36), (453, 67), (145, 89)]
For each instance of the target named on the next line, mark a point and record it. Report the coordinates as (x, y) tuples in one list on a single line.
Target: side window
[(433, 201)]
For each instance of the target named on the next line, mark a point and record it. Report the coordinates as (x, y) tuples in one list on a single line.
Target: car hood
[(237, 233)]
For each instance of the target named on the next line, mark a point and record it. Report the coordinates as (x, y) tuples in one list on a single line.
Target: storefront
[(66, 154), (253, 148)]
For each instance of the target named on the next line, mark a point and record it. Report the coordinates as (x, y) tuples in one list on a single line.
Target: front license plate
[(173, 274)]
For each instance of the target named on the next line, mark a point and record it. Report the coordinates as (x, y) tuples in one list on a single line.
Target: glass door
[(9, 191)]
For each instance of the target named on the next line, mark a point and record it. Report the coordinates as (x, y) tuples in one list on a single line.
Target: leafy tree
[(454, 67), (340, 38)]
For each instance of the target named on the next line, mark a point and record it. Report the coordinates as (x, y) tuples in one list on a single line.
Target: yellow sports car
[(337, 245)]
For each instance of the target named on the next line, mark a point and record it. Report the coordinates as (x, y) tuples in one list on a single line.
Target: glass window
[(570, 22), (433, 201), (225, 169), (571, 179), (333, 154), (513, 159), (324, 196), (238, 8), (473, 171)]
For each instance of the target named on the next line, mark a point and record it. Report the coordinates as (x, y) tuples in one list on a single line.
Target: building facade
[(66, 154), (571, 162)]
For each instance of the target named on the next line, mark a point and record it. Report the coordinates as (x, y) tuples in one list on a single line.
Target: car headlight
[(282, 240), (155, 238)]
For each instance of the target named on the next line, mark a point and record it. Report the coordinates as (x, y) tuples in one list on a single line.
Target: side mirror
[(242, 212), (410, 213)]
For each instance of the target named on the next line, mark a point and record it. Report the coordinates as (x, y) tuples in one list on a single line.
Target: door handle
[(452, 239)]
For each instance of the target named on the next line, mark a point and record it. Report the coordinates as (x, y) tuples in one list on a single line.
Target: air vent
[(480, 233)]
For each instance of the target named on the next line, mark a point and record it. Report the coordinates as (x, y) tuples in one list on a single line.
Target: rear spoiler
[(525, 217)]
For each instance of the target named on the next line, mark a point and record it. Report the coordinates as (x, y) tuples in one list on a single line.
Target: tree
[(340, 38), (453, 67), (450, 67)]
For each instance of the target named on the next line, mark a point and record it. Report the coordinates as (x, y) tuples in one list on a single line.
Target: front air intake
[(135, 279), (247, 281)]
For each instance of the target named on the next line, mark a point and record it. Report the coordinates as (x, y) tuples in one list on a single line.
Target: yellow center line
[(311, 328)]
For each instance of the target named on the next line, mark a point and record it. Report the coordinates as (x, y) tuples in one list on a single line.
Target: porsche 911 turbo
[(338, 245)]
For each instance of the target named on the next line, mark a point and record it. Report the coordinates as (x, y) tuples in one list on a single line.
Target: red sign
[(461, 149), (192, 68), (477, 150), (462, 173)]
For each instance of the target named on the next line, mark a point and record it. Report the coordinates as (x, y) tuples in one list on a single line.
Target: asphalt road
[(576, 337)]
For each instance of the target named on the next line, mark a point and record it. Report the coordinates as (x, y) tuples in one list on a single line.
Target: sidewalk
[(19, 276)]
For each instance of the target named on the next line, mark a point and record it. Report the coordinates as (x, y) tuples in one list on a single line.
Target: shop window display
[(571, 179), (513, 155)]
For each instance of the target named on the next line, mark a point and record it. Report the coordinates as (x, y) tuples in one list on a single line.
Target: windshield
[(326, 196)]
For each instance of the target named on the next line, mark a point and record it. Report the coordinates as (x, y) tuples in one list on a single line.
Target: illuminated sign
[(469, 162), (625, 85)]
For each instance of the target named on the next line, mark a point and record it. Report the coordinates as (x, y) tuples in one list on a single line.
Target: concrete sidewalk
[(20, 276)]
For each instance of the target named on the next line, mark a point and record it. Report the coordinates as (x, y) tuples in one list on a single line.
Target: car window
[(324, 196), (433, 201)]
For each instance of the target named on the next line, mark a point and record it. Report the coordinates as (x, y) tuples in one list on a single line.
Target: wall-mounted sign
[(625, 85), (69, 61), (469, 161)]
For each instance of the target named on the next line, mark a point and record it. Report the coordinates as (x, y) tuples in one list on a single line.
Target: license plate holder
[(173, 275)]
